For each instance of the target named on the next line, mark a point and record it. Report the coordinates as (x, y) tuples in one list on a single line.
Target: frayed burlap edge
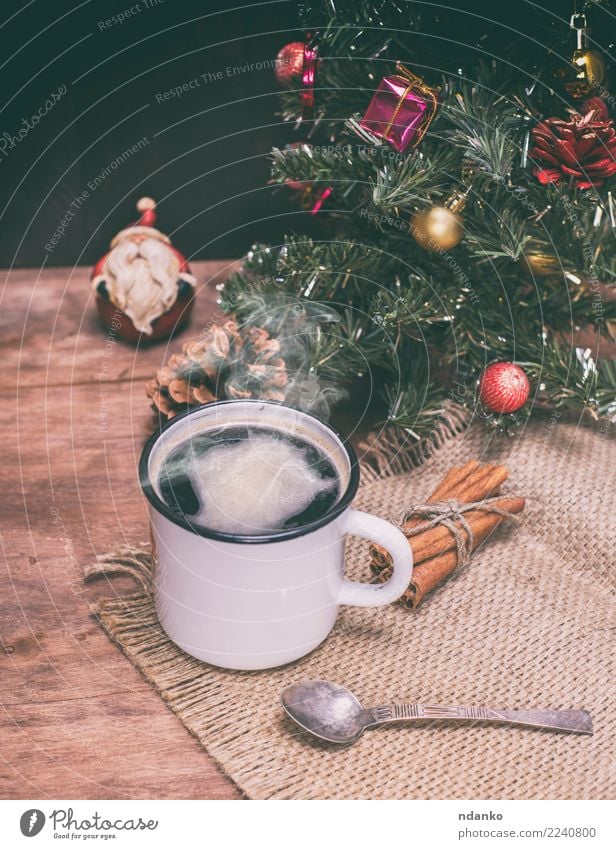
[(132, 625)]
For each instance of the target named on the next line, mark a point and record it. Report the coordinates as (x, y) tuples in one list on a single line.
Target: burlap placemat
[(528, 623)]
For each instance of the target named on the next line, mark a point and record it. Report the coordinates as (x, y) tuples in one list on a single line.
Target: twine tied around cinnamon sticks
[(447, 513), (461, 512)]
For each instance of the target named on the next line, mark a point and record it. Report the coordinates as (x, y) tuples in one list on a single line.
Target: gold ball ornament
[(437, 229), (538, 264), (586, 72)]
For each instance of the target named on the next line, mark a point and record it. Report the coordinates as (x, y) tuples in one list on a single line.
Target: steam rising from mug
[(303, 329)]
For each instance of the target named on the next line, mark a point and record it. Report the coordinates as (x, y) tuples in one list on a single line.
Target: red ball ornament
[(503, 388), (290, 64), (298, 185)]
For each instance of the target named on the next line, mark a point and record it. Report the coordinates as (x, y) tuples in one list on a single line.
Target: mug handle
[(370, 527)]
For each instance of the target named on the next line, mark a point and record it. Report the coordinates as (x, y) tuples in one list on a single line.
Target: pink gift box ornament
[(401, 109)]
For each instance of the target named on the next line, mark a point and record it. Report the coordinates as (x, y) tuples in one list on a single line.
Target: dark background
[(206, 160)]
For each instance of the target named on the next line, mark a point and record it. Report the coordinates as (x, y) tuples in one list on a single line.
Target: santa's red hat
[(147, 208)]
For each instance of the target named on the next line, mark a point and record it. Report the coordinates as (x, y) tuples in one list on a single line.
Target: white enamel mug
[(253, 602)]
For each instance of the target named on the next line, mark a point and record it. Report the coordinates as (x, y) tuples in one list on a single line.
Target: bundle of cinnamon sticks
[(435, 549)]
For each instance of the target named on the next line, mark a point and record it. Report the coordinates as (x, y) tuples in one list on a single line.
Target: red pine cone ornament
[(290, 64), (503, 388), (598, 106), (583, 149)]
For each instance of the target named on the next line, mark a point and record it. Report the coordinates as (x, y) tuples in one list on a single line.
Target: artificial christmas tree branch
[(535, 253)]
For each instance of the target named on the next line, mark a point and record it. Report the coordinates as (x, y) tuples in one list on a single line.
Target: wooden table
[(77, 719)]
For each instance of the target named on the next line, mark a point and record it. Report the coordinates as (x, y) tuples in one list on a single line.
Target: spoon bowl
[(327, 710)]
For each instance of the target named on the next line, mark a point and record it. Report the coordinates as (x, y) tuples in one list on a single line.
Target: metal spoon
[(333, 713)]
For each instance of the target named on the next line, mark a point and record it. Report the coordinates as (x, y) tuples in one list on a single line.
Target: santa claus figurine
[(144, 289)]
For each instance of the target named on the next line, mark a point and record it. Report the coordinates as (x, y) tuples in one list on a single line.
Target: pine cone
[(598, 106), (582, 149), (226, 362)]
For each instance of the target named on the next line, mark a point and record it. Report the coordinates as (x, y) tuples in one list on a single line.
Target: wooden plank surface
[(76, 718)]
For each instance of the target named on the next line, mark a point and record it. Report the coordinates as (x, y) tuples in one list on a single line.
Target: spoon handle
[(578, 721)]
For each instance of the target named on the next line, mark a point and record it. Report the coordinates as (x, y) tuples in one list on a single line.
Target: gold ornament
[(440, 228), (537, 264), (586, 73)]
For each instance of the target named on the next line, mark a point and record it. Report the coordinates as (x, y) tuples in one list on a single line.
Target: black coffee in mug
[(248, 480)]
